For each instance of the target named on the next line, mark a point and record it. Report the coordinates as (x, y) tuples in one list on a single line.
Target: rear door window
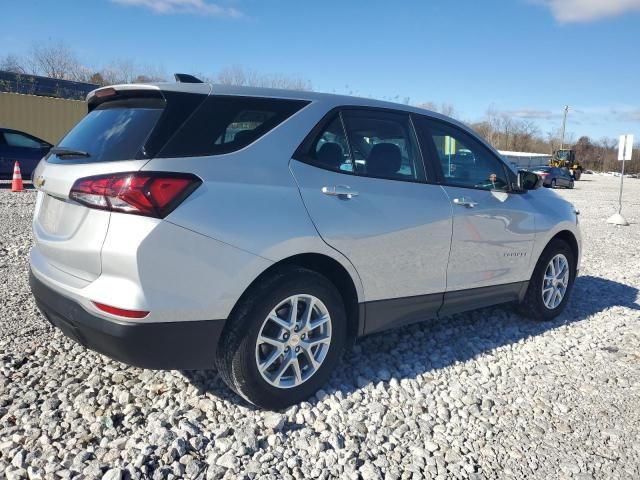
[(224, 124), (383, 145)]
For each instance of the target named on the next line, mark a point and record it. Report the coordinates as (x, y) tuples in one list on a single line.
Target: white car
[(257, 231)]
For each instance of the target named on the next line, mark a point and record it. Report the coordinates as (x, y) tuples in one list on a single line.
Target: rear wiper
[(69, 152)]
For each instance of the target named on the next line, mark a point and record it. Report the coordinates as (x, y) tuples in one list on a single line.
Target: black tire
[(571, 184), (553, 183), (236, 352), (532, 305)]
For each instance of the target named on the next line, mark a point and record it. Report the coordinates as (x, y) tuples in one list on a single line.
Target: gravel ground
[(481, 395)]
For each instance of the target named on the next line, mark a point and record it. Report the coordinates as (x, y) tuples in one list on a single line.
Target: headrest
[(385, 159), (243, 136), (330, 155)]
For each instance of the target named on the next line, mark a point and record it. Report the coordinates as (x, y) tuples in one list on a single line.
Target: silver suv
[(259, 232)]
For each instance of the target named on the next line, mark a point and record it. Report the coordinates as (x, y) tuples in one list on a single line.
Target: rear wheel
[(571, 184), (284, 339), (553, 183), (551, 282)]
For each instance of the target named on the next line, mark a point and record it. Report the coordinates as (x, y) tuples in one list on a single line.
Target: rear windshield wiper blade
[(69, 152)]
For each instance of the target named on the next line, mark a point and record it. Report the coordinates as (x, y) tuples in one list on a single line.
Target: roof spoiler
[(103, 94), (186, 78)]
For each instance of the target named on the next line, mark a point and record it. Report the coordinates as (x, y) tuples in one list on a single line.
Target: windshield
[(111, 132)]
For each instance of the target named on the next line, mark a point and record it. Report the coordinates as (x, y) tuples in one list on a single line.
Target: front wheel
[(551, 282), (284, 339)]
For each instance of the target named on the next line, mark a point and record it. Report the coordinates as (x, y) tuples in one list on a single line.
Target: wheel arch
[(570, 239), (335, 272)]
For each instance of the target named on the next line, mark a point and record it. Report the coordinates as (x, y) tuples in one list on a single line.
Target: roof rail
[(186, 78)]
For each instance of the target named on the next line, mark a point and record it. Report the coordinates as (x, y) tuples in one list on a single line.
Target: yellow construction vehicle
[(566, 158)]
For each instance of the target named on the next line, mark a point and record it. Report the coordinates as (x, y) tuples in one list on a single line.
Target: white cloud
[(633, 116), (570, 11), (529, 113), (627, 114), (195, 7)]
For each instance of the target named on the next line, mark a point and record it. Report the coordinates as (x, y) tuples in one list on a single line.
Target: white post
[(625, 146), (620, 195)]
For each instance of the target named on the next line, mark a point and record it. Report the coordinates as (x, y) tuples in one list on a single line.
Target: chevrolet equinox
[(260, 232)]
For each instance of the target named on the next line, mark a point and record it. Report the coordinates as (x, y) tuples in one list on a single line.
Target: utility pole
[(564, 124)]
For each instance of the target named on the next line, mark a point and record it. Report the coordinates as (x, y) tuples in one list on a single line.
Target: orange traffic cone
[(16, 183)]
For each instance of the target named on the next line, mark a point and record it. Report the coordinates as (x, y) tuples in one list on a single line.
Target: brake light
[(121, 312), (153, 194), (106, 92)]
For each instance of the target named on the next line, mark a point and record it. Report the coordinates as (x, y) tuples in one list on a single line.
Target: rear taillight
[(142, 193), (542, 174)]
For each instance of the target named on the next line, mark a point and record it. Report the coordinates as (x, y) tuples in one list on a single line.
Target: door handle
[(342, 191), (465, 202)]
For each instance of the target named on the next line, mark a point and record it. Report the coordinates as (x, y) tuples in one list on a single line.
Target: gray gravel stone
[(113, 474), (274, 421), (227, 460)]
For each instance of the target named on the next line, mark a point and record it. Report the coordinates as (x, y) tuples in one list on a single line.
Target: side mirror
[(528, 180)]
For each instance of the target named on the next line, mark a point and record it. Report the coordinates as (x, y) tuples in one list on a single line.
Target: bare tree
[(12, 63), (237, 75), (524, 133), (126, 71), (444, 108), (118, 71), (56, 61)]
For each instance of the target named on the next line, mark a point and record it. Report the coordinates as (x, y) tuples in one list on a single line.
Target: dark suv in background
[(20, 146)]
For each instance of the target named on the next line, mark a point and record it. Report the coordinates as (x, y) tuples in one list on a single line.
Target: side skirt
[(464, 300), (384, 314)]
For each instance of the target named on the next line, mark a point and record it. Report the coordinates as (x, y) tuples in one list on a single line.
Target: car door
[(362, 179), (493, 227)]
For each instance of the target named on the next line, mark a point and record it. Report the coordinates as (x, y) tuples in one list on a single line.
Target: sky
[(527, 58)]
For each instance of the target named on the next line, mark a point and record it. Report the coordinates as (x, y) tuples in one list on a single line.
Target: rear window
[(180, 125), (115, 130), (223, 124)]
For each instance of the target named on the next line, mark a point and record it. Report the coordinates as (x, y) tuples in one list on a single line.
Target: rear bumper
[(157, 345)]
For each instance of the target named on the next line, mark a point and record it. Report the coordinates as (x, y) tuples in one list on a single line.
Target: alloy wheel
[(555, 281), (293, 341)]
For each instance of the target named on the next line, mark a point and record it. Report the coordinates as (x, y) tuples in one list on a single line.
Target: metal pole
[(564, 123), (620, 196)]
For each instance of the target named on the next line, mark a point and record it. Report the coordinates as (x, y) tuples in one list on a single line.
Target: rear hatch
[(125, 127)]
